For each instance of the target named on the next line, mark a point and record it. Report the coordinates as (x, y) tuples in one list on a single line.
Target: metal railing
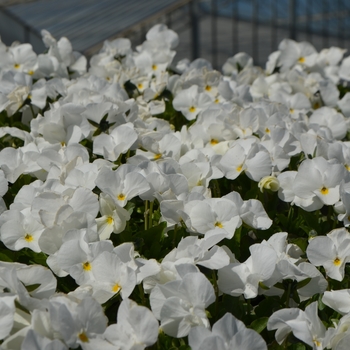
[(220, 28)]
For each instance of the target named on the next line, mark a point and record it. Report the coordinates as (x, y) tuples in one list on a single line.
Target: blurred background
[(212, 29)]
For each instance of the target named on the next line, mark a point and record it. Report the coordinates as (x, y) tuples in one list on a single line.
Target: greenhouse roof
[(85, 23)]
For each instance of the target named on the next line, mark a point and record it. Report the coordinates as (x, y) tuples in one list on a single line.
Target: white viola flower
[(166, 182), (214, 214), (198, 175), (330, 56), (329, 93), (335, 121), (319, 178), (21, 58), (251, 211), (286, 193), (3, 184), (338, 338), (36, 341), (61, 52), (63, 124), (15, 277), (160, 146), (7, 313), (76, 255), (190, 102), (180, 305), (111, 276), (236, 279), (113, 217), (164, 36), (22, 231), (12, 164), (305, 325), (245, 122), (82, 175), (344, 69), (298, 104), (123, 184), (293, 53), (75, 322), (204, 252), (343, 207), (14, 90), (331, 251), (248, 156), (226, 334), (136, 327), (338, 300), (117, 142), (235, 64), (344, 105), (51, 205)]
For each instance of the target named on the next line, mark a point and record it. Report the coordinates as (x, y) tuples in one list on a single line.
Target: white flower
[(227, 333), (180, 305), (331, 251), (305, 325)]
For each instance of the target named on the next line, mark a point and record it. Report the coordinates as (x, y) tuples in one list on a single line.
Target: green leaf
[(267, 307), (303, 283), (5, 257), (260, 324), (297, 346), (31, 287), (152, 238)]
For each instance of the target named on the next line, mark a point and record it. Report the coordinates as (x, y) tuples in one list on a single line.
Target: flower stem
[(150, 220), (145, 214)]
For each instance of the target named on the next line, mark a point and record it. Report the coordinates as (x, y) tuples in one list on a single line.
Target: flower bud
[(269, 183)]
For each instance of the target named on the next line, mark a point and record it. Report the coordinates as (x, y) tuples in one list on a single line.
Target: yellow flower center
[(239, 168), (192, 109), (16, 65), (337, 262), (86, 266), (28, 237), (116, 288), (140, 86), (110, 220), (31, 72), (208, 88), (121, 197), (154, 67), (301, 60), (267, 130), (83, 337), (214, 141), (216, 100), (157, 156), (108, 78), (316, 342), (324, 190), (219, 224), (291, 110), (347, 167), (316, 105)]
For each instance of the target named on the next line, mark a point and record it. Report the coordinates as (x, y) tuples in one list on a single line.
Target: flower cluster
[(150, 204)]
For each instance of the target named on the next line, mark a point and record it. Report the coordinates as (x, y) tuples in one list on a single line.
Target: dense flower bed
[(146, 204)]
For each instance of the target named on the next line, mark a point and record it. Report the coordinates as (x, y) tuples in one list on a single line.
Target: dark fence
[(218, 29)]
